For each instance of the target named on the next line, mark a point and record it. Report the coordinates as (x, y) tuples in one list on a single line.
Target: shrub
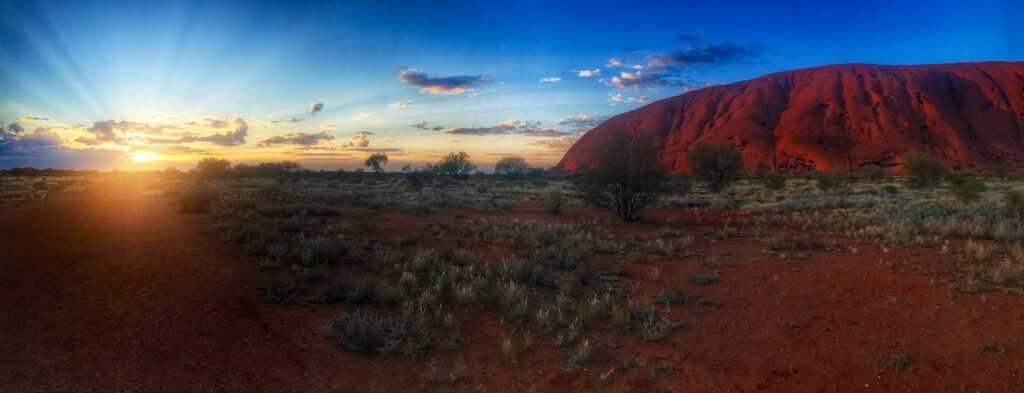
[(1014, 201), (376, 161), (831, 182), (672, 297), (212, 168), (872, 173), (581, 357), (773, 181), (966, 189), (359, 332), (197, 198), (454, 164), (554, 199), (718, 165), (922, 169), (624, 176), (511, 167), (679, 185)]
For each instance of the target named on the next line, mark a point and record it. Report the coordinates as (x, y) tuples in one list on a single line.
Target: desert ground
[(379, 282)]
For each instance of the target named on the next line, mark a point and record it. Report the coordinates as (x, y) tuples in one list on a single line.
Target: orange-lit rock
[(840, 117)]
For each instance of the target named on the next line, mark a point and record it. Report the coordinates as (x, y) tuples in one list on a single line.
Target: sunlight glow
[(143, 156)]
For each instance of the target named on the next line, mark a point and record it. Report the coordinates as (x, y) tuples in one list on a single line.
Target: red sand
[(118, 292), (839, 117)]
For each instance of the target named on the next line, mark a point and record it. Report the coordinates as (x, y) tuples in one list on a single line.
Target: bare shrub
[(716, 164), (625, 175)]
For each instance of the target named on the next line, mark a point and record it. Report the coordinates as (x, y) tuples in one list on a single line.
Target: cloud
[(43, 148), (233, 138), (12, 130), (440, 85), (360, 139), (30, 119), (425, 125), (556, 144), (298, 139), (686, 38), (618, 98), (706, 54), (551, 79), (377, 149), (671, 68), (316, 107), (400, 104), (328, 127), (588, 73), (640, 80), (103, 132), (509, 127), (581, 122), (361, 116)]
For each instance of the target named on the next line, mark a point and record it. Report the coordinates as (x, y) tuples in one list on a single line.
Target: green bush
[(966, 189), (832, 182), (554, 200), (922, 169)]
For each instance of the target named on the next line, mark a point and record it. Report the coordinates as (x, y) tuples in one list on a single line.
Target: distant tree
[(454, 164), (171, 172), (624, 175), (376, 161), (511, 167), (922, 169), (212, 168), (716, 164)]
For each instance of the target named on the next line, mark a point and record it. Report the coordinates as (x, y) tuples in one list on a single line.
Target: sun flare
[(143, 156)]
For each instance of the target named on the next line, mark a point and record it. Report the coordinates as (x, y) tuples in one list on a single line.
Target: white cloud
[(399, 104), (588, 73), (552, 79), (618, 98)]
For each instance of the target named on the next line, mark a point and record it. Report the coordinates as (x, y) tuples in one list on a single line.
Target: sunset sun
[(143, 156)]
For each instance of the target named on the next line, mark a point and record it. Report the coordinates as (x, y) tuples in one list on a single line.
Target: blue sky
[(138, 85)]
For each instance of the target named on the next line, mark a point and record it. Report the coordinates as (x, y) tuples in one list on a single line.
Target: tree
[(376, 161), (922, 169), (511, 167), (624, 175), (454, 164), (212, 168), (717, 164)]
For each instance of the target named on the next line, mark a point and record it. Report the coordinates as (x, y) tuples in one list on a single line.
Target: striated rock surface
[(839, 118)]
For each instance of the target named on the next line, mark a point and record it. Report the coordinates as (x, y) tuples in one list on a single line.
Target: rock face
[(839, 118)]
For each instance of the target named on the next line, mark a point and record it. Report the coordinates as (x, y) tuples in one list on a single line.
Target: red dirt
[(840, 117), (115, 291)]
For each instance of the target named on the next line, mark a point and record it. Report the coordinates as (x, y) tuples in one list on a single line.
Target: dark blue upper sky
[(482, 76)]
